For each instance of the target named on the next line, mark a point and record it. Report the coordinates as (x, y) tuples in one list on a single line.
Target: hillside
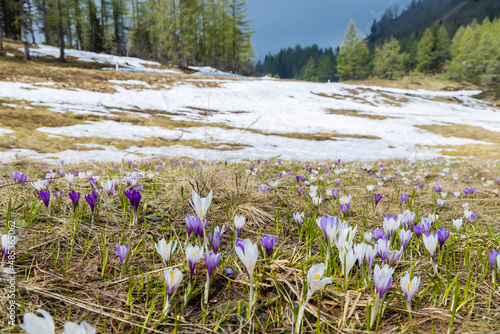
[(426, 13)]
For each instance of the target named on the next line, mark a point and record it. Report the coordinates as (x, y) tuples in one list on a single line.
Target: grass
[(69, 267)]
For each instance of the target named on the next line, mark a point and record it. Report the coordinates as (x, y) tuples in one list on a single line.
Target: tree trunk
[(1, 35), (22, 23), (92, 28), (32, 31), (45, 22), (204, 36), (68, 28), (234, 36), (213, 35), (61, 31), (77, 25)]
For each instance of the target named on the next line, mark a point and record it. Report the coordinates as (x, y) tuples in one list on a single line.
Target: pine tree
[(325, 68), (426, 53), (310, 70), (388, 59), (442, 47), (354, 54)]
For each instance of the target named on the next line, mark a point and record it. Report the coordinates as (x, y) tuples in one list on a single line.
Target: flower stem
[(298, 325)]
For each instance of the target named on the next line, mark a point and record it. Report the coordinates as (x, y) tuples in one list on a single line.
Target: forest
[(470, 53), (213, 33)]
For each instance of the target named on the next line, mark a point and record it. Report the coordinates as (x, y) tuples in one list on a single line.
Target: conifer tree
[(354, 54)]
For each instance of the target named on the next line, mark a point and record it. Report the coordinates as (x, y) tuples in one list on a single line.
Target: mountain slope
[(426, 13)]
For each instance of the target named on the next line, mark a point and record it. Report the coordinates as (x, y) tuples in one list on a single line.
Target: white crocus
[(40, 184), (70, 178), (370, 188), (347, 259), (367, 236), (409, 288), (315, 281), (317, 201), (390, 225), (165, 250), (239, 221), (431, 242), (33, 324), (173, 278), (248, 255), (83, 328), (200, 206), (457, 223), (345, 200), (108, 186)]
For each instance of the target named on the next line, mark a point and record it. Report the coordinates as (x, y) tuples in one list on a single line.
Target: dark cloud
[(284, 23)]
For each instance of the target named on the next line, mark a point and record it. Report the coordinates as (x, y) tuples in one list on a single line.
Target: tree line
[(470, 52), (184, 32)]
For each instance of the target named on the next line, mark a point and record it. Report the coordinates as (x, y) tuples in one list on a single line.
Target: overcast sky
[(283, 23)]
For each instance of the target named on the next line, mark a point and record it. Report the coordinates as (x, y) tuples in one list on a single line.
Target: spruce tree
[(426, 53), (354, 54)]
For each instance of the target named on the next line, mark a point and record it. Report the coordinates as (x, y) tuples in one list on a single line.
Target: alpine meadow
[(161, 173)]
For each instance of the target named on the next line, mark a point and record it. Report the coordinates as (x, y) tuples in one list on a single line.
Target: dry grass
[(355, 113)]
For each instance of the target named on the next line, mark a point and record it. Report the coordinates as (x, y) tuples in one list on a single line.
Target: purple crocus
[(443, 235), (59, 194), (194, 225), (377, 198), (122, 252), (228, 271), (327, 225), (392, 256), (383, 280), (378, 233), (337, 181), (405, 236), (404, 198), (92, 182), (139, 187), (211, 260), (300, 178), (300, 190), (45, 197), (335, 193), (18, 177), (134, 197), (92, 200), (75, 197), (421, 185), (492, 256), (218, 232), (268, 242), (437, 188)]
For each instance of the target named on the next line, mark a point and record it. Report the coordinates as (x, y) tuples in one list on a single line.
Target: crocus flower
[(268, 242), (8, 243), (33, 324), (370, 188), (317, 201), (299, 218), (248, 254), (377, 198), (239, 221), (392, 256), (211, 260), (360, 251), (229, 271), (92, 200), (19, 177), (316, 282), (173, 278), (194, 225), (405, 237), (59, 194), (83, 328), (135, 198), (337, 181), (409, 287), (404, 198), (193, 255), (390, 225), (367, 236), (75, 197), (370, 254), (218, 232), (200, 205), (457, 223), (430, 242), (492, 255), (440, 203), (442, 235), (382, 279), (378, 233), (108, 186), (122, 252), (45, 197), (437, 188), (165, 250), (70, 178), (328, 225), (347, 259)]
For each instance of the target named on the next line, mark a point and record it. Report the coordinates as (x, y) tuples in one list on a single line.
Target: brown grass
[(463, 131), (355, 113)]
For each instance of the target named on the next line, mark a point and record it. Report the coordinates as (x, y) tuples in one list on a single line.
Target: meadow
[(288, 246)]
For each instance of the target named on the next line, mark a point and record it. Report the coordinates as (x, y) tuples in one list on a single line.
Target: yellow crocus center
[(317, 277), (343, 202), (172, 278), (409, 284)]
